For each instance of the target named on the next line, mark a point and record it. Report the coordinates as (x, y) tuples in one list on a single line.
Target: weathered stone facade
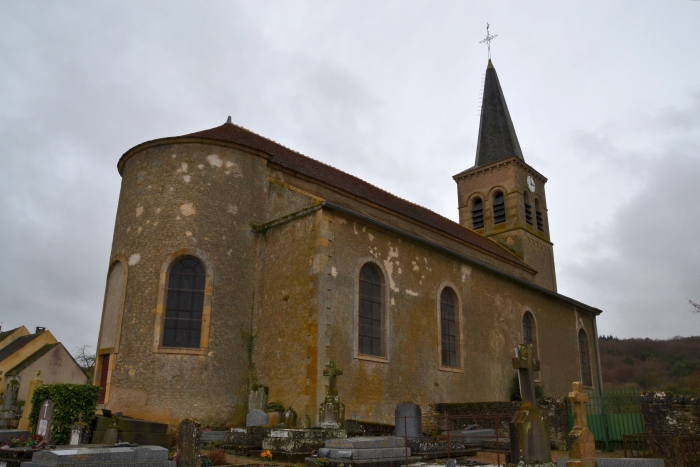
[(282, 239)]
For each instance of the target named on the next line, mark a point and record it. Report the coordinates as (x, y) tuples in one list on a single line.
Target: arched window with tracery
[(528, 208), (584, 357), (371, 313), (185, 304), (538, 214), (477, 214), (449, 330), (499, 208)]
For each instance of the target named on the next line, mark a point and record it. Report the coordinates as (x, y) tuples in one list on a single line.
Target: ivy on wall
[(70, 400)]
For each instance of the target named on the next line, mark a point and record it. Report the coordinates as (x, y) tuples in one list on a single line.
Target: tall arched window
[(528, 208), (538, 213), (585, 358), (185, 304), (477, 214), (448, 328), (499, 208), (371, 313)]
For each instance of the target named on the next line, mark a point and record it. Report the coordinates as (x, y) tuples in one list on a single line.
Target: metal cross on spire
[(487, 40)]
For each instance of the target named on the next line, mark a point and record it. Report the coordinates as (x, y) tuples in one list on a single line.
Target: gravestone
[(188, 444), (331, 414), (305, 422), (11, 392), (257, 417), (582, 441), (43, 425), (257, 398), (111, 434), (79, 432), (408, 421), (529, 433), (373, 451)]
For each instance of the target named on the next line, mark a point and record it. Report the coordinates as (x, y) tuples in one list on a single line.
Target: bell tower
[(502, 197)]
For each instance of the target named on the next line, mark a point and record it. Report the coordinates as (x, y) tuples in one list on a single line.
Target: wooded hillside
[(671, 365)]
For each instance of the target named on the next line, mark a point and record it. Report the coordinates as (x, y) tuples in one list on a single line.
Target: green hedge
[(70, 400)]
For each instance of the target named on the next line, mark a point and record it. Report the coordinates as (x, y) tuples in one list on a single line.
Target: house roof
[(6, 334), (294, 161), (31, 359), (497, 138), (13, 347)]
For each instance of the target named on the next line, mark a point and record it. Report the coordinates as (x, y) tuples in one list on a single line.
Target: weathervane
[(487, 40)]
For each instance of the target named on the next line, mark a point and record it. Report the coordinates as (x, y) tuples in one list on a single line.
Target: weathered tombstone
[(529, 433), (257, 417), (188, 444), (11, 392), (257, 398), (331, 414), (111, 436), (582, 441), (305, 422), (79, 432), (408, 422), (43, 425)]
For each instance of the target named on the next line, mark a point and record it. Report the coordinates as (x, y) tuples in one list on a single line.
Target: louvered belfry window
[(371, 319), (585, 359), (185, 304), (448, 328), (538, 213), (528, 210), (477, 214), (499, 208)]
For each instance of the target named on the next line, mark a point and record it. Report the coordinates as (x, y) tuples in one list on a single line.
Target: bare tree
[(85, 359), (696, 306)]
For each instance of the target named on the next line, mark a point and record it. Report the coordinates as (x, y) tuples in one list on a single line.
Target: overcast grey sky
[(604, 96)]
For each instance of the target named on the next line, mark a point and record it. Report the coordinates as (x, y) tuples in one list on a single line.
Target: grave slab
[(366, 442), (142, 456)]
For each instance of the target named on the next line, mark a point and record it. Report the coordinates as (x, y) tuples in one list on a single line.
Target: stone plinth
[(244, 440), (141, 456), (257, 417), (331, 414)]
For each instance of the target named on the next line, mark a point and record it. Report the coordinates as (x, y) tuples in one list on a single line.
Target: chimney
[(39, 329)]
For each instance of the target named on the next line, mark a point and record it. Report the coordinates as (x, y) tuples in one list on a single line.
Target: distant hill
[(671, 365)]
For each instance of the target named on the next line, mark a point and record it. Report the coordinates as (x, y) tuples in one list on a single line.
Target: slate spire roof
[(497, 139)]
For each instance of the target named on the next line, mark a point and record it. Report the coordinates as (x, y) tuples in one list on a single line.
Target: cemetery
[(65, 428)]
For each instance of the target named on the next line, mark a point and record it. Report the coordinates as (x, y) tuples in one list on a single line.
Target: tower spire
[(497, 138)]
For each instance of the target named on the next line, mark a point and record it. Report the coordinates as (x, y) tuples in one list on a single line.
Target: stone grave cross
[(527, 365), (579, 399), (529, 432), (581, 440), (332, 373)]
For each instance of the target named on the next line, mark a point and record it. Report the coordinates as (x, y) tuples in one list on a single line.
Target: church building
[(223, 233)]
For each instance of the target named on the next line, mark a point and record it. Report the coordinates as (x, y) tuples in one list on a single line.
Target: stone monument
[(331, 414), (408, 421), (43, 425), (529, 433), (189, 443), (581, 439), (9, 415), (141, 456)]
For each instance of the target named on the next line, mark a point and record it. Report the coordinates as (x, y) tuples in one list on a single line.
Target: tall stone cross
[(526, 364), (579, 399), (332, 373)]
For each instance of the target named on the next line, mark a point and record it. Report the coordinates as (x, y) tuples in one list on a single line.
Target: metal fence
[(676, 451), (611, 416)]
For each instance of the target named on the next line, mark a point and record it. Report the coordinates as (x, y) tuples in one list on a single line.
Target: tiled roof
[(4, 334), (17, 344), (326, 174)]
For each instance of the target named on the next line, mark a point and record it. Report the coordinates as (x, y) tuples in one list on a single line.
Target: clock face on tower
[(531, 183)]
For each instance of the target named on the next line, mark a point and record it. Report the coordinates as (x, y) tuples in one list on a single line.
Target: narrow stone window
[(448, 328), (371, 313), (185, 303), (585, 359), (499, 208), (538, 213), (528, 209), (530, 336), (477, 214)]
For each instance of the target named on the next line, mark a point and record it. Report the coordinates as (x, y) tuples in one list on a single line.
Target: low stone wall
[(553, 410), (671, 415)]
